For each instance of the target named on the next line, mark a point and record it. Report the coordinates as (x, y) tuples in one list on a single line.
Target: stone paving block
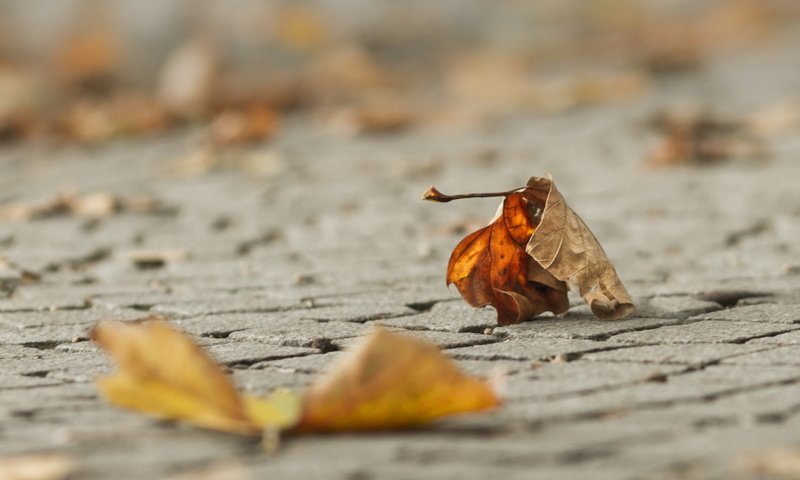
[(765, 312), (528, 349), (314, 363), (747, 407), (18, 351), (705, 331), (145, 300), (679, 306), (301, 333), (451, 316), (63, 395), (691, 387), (356, 312), (44, 337), (740, 375), (47, 361), (248, 353), (55, 302), (66, 317), (549, 380), (158, 454), (585, 326), (711, 454), (293, 324), (445, 340), (232, 304), (9, 381), (676, 354)]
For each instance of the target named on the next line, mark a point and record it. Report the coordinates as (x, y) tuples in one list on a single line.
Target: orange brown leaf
[(490, 267)]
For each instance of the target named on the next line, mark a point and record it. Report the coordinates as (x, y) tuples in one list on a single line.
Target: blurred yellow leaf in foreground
[(164, 373), (388, 381)]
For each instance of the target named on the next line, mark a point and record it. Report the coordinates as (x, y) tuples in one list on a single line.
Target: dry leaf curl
[(564, 246)]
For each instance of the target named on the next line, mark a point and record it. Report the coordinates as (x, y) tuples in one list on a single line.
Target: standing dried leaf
[(522, 261), (565, 247), (392, 381)]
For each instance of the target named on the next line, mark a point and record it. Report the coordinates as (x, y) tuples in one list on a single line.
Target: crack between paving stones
[(766, 335)]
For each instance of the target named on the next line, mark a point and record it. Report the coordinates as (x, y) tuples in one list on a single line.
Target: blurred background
[(87, 71)]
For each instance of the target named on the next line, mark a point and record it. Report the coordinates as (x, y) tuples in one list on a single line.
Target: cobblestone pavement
[(277, 272)]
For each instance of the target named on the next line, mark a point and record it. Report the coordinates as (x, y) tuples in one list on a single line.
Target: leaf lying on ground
[(389, 381), (36, 466), (696, 137), (392, 381), (778, 463), (87, 205), (164, 373), (520, 263)]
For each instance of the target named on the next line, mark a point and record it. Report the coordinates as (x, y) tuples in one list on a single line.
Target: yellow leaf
[(164, 373), (392, 381)]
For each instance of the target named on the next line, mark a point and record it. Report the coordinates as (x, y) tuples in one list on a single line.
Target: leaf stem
[(435, 195)]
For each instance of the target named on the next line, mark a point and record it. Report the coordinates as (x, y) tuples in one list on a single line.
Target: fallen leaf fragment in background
[(188, 78), (164, 373), (244, 125), (18, 96), (88, 59), (774, 119), (491, 267), (384, 116), (780, 463), (696, 137), (93, 120), (565, 247), (36, 466), (93, 205), (536, 245), (389, 381), (345, 73), (221, 470), (392, 381), (299, 28)]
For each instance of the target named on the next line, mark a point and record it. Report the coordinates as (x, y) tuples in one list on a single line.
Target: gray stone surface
[(704, 374)]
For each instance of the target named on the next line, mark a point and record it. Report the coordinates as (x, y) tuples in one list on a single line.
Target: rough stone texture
[(704, 375)]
